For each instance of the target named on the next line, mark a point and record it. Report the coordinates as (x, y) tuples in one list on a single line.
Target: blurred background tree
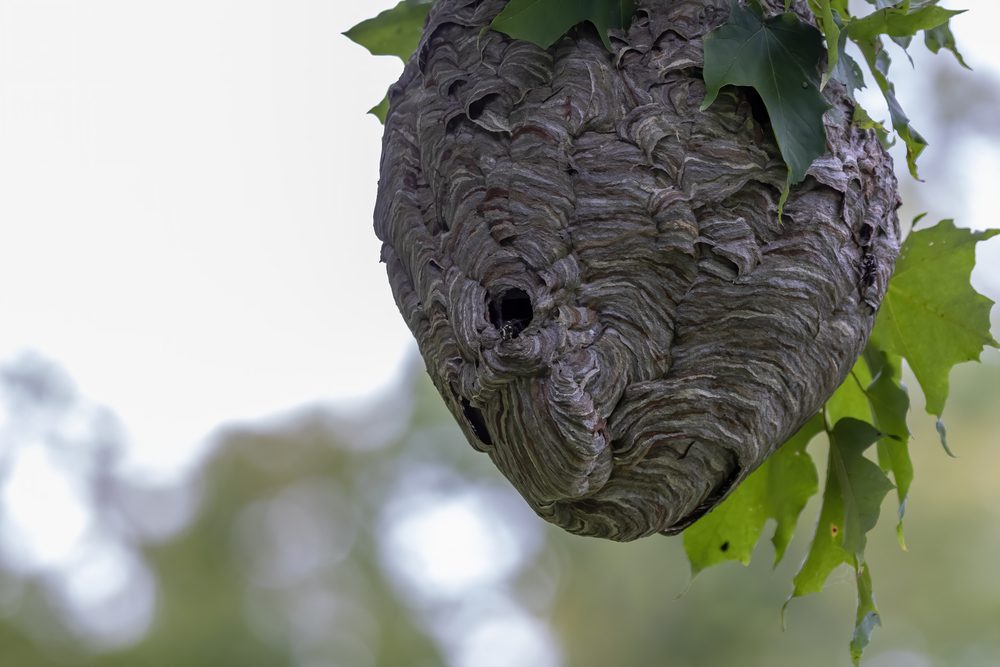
[(318, 541)]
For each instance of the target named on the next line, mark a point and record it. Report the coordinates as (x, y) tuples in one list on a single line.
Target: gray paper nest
[(595, 270)]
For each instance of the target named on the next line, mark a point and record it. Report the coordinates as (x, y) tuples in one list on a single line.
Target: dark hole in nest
[(724, 547), (477, 108), (475, 418), (865, 234), (511, 313), (757, 107)]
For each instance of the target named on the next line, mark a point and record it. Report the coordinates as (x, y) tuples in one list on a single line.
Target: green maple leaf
[(831, 30), (873, 393), (942, 37), (779, 58), (850, 400), (862, 484), (826, 551), (878, 63), (855, 488), (900, 21), (931, 315), (890, 404), (381, 110), (542, 22), (846, 70), (394, 32), (778, 490)]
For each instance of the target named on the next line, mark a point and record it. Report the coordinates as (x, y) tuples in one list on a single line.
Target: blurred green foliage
[(605, 603)]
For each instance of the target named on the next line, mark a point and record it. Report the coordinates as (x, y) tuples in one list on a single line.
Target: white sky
[(186, 193), (185, 206)]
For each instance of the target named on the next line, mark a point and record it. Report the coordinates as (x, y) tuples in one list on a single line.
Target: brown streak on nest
[(666, 331)]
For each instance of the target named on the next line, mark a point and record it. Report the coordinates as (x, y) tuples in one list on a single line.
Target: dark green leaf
[(394, 32), (873, 393), (855, 488), (882, 4), (826, 551), (840, 6), (890, 404), (850, 400), (779, 58), (542, 22), (846, 69), (899, 22), (903, 43), (778, 490), (854, 491), (867, 618), (862, 119), (831, 31), (381, 110), (878, 63), (941, 37), (791, 482), (862, 483), (931, 315)]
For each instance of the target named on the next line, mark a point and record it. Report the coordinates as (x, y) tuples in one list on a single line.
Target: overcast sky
[(186, 194)]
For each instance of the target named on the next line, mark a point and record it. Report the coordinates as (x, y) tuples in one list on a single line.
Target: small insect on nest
[(596, 272)]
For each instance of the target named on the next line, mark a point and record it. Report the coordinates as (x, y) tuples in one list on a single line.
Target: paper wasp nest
[(595, 270)]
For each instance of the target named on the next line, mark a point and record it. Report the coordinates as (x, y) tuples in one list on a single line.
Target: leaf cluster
[(778, 57), (900, 22), (933, 319)]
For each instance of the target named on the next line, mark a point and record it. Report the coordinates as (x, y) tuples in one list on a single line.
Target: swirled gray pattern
[(595, 270)]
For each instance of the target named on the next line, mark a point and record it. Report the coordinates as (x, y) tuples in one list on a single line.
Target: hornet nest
[(595, 270)]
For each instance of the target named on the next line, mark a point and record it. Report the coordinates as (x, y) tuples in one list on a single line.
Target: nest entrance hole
[(475, 418), (511, 312)]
